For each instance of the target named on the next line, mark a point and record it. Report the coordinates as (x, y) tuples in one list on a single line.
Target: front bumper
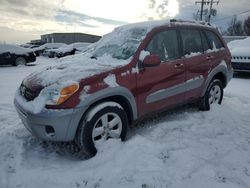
[(51, 125), (241, 67), (230, 74), (31, 58)]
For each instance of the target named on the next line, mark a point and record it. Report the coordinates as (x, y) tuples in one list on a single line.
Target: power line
[(231, 16)]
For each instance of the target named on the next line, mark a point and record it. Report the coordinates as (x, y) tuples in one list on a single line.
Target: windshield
[(120, 44)]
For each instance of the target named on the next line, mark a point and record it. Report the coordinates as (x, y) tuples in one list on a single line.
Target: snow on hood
[(13, 49), (112, 50), (240, 47), (75, 68), (69, 70)]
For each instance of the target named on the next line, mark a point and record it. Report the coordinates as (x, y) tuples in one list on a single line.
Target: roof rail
[(189, 21)]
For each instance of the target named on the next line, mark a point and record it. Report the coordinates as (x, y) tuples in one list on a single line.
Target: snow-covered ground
[(184, 148)]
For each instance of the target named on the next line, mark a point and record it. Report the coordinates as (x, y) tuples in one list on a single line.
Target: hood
[(72, 69), (240, 47), (241, 51)]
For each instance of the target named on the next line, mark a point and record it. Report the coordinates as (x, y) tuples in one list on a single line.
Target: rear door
[(162, 86), (197, 61), (217, 50)]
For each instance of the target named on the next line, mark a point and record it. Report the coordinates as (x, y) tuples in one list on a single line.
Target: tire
[(94, 130), (20, 61), (213, 95)]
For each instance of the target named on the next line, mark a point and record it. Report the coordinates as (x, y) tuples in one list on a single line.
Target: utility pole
[(211, 10), (202, 2)]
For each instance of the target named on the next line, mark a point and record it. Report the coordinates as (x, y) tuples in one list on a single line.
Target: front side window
[(191, 41), (213, 39), (165, 45)]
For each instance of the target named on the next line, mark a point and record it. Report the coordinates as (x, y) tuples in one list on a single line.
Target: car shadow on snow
[(36, 148), (159, 117)]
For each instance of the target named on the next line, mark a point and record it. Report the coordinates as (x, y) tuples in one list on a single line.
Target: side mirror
[(151, 61)]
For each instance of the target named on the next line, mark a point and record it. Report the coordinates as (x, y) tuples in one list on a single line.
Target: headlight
[(57, 96)]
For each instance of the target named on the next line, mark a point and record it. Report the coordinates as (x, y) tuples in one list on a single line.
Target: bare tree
[(235, 27), (247, 26)]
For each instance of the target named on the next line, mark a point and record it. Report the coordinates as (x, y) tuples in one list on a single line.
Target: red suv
[(131, 72)]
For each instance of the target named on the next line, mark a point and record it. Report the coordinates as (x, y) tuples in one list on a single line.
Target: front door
[(196, 53), (161, 86)]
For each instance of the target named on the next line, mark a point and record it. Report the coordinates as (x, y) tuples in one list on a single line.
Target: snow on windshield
[(120, 44)]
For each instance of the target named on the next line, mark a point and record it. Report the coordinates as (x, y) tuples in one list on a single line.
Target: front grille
[(241, 58), (27, 93)]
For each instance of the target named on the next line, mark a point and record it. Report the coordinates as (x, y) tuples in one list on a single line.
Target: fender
[(109, 92), (90, 99), (221, 68)]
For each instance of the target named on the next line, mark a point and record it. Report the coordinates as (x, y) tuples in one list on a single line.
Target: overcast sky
[(23, 20)]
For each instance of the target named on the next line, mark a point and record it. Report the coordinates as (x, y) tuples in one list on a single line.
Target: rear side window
[(213, 40), (164, 44), (191, 41)]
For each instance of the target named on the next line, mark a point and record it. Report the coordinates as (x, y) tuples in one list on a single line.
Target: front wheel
[(20, 61), (213, 95), (100, 124)]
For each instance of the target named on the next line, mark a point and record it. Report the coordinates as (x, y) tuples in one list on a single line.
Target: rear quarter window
[(213, 40)]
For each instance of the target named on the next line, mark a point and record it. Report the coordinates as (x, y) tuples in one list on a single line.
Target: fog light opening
[(50, 131)]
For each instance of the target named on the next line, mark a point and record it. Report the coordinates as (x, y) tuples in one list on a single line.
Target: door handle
[(209, 57), (178, 66)]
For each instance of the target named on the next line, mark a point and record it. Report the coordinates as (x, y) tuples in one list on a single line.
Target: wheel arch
[(119, 99), (220, 72), (119, 94)]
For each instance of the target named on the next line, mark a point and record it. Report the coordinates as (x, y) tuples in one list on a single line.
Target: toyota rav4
[(131, 72)]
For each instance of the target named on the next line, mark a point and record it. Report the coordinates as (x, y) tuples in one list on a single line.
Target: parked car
[(134, 71), (240, 50), (71, 49), (15, 55), (66, 50), (40, 50), (28, 45)]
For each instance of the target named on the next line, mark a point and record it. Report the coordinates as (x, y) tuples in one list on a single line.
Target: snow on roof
[(49, 45), (70, 47), (13, 49), (149, 25)]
